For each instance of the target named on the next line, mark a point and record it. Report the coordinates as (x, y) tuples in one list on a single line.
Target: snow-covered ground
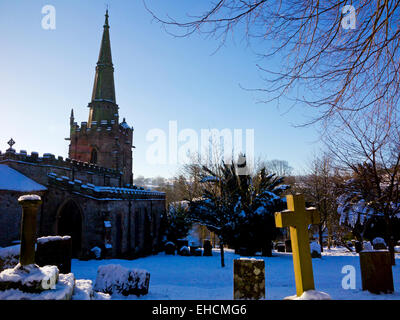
[(202, 278)]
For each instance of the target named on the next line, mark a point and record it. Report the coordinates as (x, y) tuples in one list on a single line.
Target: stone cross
[(298, 217), (30, 204), (11, 142)]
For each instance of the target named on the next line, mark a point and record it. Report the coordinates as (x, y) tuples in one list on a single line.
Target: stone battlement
[(102, 126), (103, 192), (49, 159)]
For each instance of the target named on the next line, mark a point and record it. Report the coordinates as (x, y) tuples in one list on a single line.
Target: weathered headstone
[(266, 249), (379, 244), (55, 250), (193, 250), (169, 248), (207, 248), (315, 250), (358, 246), (248, 279), (376, 271), (114, 278), (184, 251), (288, 245), (181, 243), (298, 217), (280, 247)]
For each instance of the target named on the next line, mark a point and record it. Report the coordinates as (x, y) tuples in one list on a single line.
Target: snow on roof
[(12, 180)]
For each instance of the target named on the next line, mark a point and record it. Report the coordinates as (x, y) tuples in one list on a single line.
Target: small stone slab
[(248, 279), (62, 291), (29, 278), (55, 251), (376, 271)]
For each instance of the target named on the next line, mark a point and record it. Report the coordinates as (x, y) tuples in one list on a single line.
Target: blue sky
[(158, 79)]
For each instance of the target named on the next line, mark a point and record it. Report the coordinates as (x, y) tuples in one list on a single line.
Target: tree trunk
[(390, 239), (320, 235), (221, 246)]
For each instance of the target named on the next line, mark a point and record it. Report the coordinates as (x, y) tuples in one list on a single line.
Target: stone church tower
[(103, 140)]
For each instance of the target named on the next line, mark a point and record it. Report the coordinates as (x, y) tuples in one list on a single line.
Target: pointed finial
[(106, 22), (72, 113)]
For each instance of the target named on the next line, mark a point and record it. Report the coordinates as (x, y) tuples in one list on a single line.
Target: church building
[(88, 195)]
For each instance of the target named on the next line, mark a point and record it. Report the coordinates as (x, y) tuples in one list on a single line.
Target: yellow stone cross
[(298, 217)]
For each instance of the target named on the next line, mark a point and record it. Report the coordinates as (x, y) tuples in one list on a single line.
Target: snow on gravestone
[(55, 250), (315, 250), (379, 244), (114, 278)]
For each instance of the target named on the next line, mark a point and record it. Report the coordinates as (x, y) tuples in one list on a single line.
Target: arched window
[(93, 156)]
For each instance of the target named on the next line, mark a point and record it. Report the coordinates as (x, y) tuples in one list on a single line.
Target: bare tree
[(369, 145), (280, 167), (324, 64), (319, 188)]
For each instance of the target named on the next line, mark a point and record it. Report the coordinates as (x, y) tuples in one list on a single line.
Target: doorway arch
[(69, 223)]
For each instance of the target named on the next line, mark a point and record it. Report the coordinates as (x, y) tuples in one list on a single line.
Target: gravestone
[(298, 218), (315, 250), (248, 279), (114, 278), (280, 247), (358, 246), (288, 245), (184, 251), (169, 248), (181, 243), (266, 249), (379, 244), (207, 248), (376, 271), (55, 250), (193, 250)]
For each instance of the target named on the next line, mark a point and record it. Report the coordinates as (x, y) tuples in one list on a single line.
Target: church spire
[(103, 88)]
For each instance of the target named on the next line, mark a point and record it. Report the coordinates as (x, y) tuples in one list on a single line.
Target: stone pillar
[(30, 204), (376, 271), (248, 279)]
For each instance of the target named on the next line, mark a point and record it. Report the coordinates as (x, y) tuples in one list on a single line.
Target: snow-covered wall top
[(102, 192), (12, 180)]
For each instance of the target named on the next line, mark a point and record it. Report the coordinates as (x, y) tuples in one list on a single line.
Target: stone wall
[(122, 222), (10, 216)]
